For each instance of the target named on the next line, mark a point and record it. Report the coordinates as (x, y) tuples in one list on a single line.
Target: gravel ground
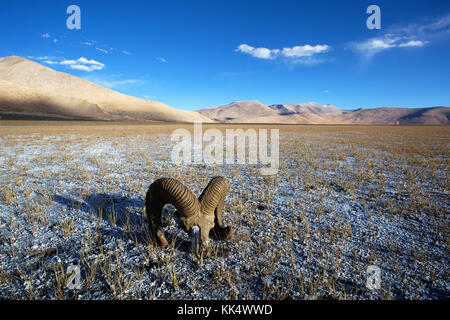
[(335, 207)]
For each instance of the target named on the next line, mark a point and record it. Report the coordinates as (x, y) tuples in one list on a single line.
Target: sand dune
[(56, 87), (314, 113)]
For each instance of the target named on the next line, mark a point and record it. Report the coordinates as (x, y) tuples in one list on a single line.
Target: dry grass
[(308, 232)]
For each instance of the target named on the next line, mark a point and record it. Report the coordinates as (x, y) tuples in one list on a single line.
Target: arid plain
[(344, 198)]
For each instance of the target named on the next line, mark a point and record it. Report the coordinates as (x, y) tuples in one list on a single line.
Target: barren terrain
[(345, 197)]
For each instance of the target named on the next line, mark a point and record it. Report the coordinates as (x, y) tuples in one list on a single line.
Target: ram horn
[(211, 203), (191, 217), (170, 191)]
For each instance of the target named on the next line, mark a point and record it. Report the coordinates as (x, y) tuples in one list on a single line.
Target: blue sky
[(199, 54)]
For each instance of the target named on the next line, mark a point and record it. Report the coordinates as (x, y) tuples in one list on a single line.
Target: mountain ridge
[(22, 76), (253, 111)]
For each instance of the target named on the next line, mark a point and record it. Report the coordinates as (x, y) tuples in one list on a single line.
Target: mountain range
[(314, 113), (29, 90)]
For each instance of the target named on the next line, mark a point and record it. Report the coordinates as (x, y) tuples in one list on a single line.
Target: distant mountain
[(433, 115), (255, 112), (28, 89), (312, 107), (314, 113)]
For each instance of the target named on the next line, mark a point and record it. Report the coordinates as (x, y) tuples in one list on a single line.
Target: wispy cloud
[(46, 35), (162, 60), (119, 83), (102, 50), (413, 43), (370, 47), (307, 61), (50, 62), (88, 43), (68, 62), (112, 81), (413, 35), (126, 52), (432, 30), (296, 55), (42, 58)]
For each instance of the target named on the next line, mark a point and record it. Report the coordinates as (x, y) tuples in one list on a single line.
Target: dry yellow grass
[(300, 221)]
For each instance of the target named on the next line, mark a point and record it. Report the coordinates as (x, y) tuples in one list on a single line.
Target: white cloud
[(55, 40), (68, 62), (85, 67), (83, 60), (414, 35), (162, 60), (294, 55), (304, 51), (378, 44), (88, 43), (80, 64), (45, 35), (102, 50), (83, 64), (126, 52), (373, 46), (413, 43), (261, 53)]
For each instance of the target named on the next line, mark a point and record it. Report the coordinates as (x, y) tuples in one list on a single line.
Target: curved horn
[(211, 203), (164, 191)]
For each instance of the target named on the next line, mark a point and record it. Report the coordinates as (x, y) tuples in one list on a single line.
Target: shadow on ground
[(123, 214)]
